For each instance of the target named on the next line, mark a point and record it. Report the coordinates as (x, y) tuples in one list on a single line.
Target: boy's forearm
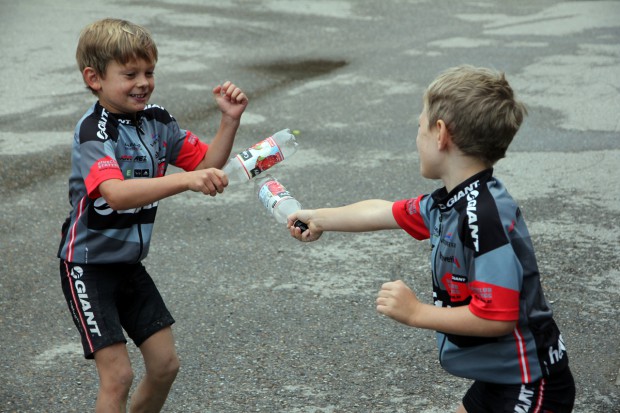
[(458, 320), (369, 215), (221, 145), (135, 193)]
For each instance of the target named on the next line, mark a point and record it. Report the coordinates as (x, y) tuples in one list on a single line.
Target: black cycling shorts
[(554, 394), (106, 299)]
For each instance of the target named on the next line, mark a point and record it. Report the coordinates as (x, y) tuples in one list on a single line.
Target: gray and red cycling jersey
[(112, 146), (482, 256)]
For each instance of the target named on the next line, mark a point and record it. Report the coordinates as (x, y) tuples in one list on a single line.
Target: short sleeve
[(408, 215), (191, 152), (95, 156)]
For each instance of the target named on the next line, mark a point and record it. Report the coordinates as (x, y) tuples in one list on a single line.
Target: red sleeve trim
[(493, 302), (407, 214), (192, 152), (102, 170)]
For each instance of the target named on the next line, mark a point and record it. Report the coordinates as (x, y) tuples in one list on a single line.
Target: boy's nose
[(142, 81)]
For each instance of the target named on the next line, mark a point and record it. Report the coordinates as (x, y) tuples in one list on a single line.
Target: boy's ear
[(443, 135), (92, 78)]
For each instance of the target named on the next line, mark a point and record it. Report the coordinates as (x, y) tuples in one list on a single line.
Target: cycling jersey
[(112, 146), (482, 256)]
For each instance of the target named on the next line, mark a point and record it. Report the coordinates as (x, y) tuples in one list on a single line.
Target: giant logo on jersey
[(472, 218), (102, 134)]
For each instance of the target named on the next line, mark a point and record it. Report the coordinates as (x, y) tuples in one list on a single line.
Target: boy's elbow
[(503, 328), (112, 195), (113, 203)]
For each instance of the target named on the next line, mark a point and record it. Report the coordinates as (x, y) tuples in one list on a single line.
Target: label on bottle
[(260, 157), (271, 193)]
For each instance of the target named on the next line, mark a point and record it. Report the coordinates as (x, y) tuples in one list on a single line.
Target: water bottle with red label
[(260, 157), (277, 200)]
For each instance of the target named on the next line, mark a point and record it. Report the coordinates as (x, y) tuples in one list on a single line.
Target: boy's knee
[(173, 366), (126, 377), (119, 381), (166, 370)]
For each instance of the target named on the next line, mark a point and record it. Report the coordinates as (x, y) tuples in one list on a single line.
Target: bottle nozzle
[(301, 225)]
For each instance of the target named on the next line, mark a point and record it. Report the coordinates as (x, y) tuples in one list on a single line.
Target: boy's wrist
[(229, 122), (422, 315)]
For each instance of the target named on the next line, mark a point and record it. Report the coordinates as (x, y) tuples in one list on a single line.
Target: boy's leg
[(461, 409), (115, 378), (90, 291), (555, 393), (161, 364)]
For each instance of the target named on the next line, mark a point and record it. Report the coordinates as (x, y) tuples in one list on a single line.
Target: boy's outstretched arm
[(369, 215), (206, 177), (398, 301), (134, 193), (232, 102)]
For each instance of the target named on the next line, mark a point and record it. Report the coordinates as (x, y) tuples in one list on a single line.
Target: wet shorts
[(105, 299), (554, 394)]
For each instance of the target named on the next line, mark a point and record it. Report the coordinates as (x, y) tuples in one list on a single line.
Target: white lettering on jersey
[(469, 188), (555, 355), (472, 217), (102, 134)]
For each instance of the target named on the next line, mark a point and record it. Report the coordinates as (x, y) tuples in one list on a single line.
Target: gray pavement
[(265, 323)]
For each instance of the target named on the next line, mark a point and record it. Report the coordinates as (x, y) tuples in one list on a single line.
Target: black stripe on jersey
[(101, 217), (158, 113), (479, 223), (99, 126)]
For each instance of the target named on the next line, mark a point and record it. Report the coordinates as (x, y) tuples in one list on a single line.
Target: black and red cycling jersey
[(482, 256), (112, 146)]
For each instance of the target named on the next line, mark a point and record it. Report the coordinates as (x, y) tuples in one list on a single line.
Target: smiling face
[(125, 88)]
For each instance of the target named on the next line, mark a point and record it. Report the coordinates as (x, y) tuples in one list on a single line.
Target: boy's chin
[(139, 104)]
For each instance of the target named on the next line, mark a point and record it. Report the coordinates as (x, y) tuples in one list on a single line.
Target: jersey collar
[(445, 200), (122, 118)]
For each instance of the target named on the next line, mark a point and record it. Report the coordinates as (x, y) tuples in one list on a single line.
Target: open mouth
[(142, 96)]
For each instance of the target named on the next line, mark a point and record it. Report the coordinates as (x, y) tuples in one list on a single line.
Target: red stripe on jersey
[(102, 170), (407, 214), (192, 152), (522, 355), (541, 396), (78, 308), (494, 302), (73, 230)]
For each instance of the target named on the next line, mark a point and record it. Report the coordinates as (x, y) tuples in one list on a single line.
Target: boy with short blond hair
[(492, 320), (121, 150)]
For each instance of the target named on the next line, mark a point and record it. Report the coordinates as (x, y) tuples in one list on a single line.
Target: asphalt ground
[(265, 323)]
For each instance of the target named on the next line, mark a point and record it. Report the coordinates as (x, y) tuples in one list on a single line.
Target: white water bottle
[(260, 157), (277, 200)]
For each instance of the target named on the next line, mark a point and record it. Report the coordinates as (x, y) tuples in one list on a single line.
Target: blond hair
[(117, 40), (479, 109)]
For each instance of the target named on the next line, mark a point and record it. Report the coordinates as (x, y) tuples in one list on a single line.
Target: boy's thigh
[(90, 295), (142, 309), (554, 394), (105, 299)]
